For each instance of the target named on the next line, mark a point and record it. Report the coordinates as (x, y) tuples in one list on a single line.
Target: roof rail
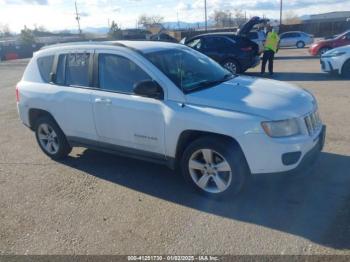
[(87, 43)]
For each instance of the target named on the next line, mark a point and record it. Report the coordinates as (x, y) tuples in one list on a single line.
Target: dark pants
[(268, 56)]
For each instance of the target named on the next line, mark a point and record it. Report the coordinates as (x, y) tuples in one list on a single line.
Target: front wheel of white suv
[(214, 166), (51, 139), (346, 70)]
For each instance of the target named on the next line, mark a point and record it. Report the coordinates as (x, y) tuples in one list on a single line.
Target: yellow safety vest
[(272, 40)]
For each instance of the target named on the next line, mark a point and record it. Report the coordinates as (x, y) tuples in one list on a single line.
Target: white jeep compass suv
[(169, 104)]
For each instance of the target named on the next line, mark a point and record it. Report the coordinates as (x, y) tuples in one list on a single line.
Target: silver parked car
[(296, 39)]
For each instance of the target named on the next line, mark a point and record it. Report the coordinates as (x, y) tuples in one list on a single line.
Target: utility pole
[(206, 15), (281, 10), (77, 17)]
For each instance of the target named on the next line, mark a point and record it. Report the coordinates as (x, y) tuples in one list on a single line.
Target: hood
[(269, 99), (326, 41), (247, 27), (345, 48)]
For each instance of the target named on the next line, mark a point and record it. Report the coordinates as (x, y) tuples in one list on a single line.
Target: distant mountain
[(304, 17), (168, 25), (184, 25), (92, 30)]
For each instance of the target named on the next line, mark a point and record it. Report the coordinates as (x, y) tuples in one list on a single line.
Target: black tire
[(63, 146), (230, 63), (300, 44), (323, 50), (233, 156), (346, 70)]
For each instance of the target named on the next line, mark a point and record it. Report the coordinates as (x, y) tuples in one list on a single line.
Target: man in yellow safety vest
[(271, 47)]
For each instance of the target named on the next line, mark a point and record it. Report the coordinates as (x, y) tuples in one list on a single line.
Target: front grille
[(313, 122)]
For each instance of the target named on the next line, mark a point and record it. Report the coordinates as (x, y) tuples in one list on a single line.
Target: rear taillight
[(17, 94), (246, 49)]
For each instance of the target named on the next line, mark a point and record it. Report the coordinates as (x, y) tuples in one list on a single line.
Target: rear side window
[(45, 67), (119, 74), (73, 69), (218, 42)]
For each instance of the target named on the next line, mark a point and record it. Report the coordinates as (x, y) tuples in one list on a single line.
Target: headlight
[(333, 53), (284, 128)]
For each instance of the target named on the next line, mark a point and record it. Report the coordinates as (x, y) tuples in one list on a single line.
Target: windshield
[(188, 69)]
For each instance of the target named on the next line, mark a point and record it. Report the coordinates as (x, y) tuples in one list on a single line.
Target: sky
[(59, 14)]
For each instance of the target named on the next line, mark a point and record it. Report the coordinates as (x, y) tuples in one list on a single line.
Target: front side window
[(45, 67), (285, 36), (187, 69), (73, 69), (119, 74)]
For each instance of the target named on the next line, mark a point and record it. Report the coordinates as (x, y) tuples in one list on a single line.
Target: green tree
[(5, 30), (115, 32), (26, 36)]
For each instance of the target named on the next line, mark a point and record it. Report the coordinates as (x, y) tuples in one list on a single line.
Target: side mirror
[(149, 88)]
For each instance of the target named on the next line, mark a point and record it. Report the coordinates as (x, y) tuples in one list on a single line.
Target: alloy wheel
[(231, 66), (210, 171), (48, 139)]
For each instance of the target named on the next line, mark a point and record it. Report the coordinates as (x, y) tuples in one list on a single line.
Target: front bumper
[(265, 155), (328, 65), (311, 156), (313, 50)]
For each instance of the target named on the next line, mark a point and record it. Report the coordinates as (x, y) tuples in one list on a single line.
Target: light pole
[(281, 9), (206, 15), (77, 17)]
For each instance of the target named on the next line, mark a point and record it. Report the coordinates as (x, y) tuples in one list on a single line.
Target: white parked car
[(169, 104), (259, 37), (337, 61), (295, 39)]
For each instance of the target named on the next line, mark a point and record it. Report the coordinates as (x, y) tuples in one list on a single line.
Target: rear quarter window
[(45, 67)]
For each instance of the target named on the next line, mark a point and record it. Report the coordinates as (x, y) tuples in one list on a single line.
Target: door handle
[(105, 101)]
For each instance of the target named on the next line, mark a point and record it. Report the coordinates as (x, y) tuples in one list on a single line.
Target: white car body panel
[(336, 63), (234, 109)]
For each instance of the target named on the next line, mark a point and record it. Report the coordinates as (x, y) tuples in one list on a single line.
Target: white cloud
[(59, 14)]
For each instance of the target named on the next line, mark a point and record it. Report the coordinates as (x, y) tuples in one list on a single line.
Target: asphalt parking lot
[(95, 203)]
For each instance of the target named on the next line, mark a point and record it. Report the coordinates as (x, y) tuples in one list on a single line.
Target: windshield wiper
[(211, 83)]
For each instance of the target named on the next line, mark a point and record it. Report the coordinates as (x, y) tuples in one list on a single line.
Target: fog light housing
[(289, 159)]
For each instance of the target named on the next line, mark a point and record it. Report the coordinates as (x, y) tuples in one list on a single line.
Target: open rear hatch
[(248, 26)]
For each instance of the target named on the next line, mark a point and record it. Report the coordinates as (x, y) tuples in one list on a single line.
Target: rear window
[(73, 69), (45, 67)]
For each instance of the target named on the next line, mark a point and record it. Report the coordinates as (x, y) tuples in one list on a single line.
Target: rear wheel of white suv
[(215, 166), (51, 139)]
